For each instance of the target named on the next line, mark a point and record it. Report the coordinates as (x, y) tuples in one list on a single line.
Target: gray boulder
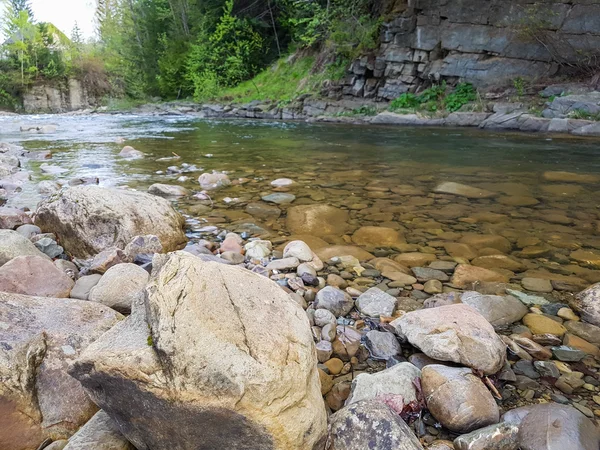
[(212, 356), (89, 219), (374, 303), (370, 425), (84, 285), (338, 302), (39, 338), (498, 310), (397, 380)]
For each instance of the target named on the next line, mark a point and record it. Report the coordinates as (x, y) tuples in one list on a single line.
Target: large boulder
[(35, 275), (38, 339), (13, 244), (213, 356), (457, 398), (456, 333), (89, 219), (370, 425), (119, 287), (316, 220)]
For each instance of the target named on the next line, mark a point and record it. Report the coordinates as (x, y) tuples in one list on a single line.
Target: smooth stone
[(148, 244), (257, 249), (107, 259), (28, 230), (378, 237), (374, 303), (36, 276), (458, 399), (382, 344), (587, 304), (283, 264), (568, 354), (119, 287), (570, 177), (279, 198), (84, 285), (554, 426), (49, 247), (336, 251), (536, 284), (527, 299), (465, 275), (298, 249), (414, 259), (370, 425), (213, 181), (425, 274), (99, 433), (131, 153), (498, 262), (547, 369), (589, 332), (463, 190), (13, 244), (500, 311), (539, 324), (324, 317), (317, 220), (481, 241), (168, 190), (396, 380), (461, 251), (456, 333), (346, 343), (433, 287), (502, 436), (324, 350), (263, 211), (338, 302), (282, 182)]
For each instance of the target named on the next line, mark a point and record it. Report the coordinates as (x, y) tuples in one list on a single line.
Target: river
[(385, 176)]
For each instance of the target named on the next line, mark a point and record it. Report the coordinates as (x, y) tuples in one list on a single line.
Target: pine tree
[(16, 6)]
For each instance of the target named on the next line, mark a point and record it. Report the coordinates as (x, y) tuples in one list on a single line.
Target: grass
[(282, 82), (582, 114)]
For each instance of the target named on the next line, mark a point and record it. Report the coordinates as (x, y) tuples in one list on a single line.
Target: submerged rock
[(370, 425), (131, 153), (463, 190), (317, 220), (456, 333), (40, 336), (89, 219), (214, 370), (213, 181), (168, 190)]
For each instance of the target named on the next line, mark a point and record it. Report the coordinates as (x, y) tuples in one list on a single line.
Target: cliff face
[(64, 97), (485, 42)]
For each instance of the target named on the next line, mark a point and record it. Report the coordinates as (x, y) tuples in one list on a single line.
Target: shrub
[(462, 94), (405, 101)]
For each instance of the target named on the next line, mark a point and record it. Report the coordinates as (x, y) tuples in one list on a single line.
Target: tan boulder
[(220, 351), (13, 244), (89, 219), (35, 275), (539, 324)]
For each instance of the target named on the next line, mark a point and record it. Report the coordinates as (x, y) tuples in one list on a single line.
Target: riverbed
[(384, 176)]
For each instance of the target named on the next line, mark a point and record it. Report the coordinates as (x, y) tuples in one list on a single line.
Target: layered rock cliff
[(485, 42), (58, 97)]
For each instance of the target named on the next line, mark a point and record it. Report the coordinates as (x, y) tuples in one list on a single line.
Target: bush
[(462, 94), (405, 101)]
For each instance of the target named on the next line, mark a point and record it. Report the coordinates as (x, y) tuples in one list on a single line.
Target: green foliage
[(434, 98), (405, 101), (364, 110), (463, 93), (584, 115), (520, 84)]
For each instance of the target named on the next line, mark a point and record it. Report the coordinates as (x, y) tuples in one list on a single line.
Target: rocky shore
[(117, 332)]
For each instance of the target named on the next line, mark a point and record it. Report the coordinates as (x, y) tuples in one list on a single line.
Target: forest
[(176, 49)]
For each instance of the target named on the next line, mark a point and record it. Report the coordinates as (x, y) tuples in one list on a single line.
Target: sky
[(64, 13)]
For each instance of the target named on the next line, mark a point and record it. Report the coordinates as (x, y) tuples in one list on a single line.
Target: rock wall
[(480, 41), (63, 97)]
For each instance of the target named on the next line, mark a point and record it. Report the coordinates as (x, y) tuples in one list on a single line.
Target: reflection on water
[(384, 175)]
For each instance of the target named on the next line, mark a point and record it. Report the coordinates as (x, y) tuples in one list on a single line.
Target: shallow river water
[(384, 176)]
